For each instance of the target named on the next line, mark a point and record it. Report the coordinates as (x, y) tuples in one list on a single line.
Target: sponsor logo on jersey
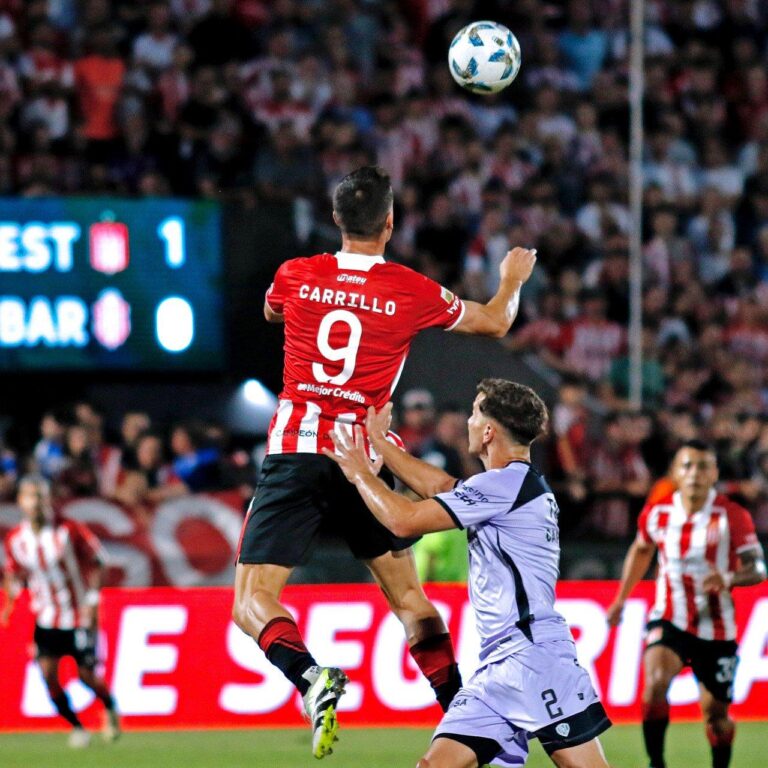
[(563, 729), (469, 495), (290, 432), (319, 389), (356, 279)]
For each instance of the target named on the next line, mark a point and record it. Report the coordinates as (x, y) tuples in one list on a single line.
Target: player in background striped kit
[(62, 564), (707, 546)]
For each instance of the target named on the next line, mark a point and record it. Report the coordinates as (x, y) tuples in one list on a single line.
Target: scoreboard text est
[(88, 283)]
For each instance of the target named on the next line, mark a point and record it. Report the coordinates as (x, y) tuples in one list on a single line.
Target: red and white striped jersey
[(55, 562), (690, 546), (349, 323)]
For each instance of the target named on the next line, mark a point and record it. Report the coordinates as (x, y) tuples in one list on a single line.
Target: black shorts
[(712, 661), (296, 493), (80, 644)]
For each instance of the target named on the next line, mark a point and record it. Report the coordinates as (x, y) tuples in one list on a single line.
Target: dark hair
[(362, 200), (698, 445), (516, 407)]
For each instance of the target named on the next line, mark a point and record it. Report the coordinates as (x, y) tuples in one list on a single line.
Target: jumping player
[(62, 564), (349, 320), (529, 683), (707, 546)]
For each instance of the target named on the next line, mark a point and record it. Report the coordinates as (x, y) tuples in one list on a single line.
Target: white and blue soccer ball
[(484, 57)]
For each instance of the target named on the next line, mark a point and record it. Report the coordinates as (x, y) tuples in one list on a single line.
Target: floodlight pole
[(636, 88)]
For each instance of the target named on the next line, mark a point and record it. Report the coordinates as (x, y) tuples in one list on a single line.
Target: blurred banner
[(175, 660), (94, 284), (189, 541)]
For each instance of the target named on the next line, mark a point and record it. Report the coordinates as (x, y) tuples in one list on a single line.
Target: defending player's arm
[(636, 565), (424, 479), (495, 318), (405, 518)]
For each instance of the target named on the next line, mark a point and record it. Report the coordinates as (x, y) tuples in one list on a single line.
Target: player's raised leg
[(49, 667), (720, 728), (257, 610), (661, 664), (426, 633)]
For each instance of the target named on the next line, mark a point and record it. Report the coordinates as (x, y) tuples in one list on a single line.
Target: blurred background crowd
[(252, 102)]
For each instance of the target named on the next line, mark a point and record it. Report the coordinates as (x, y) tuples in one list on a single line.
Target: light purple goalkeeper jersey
[(514, 550)]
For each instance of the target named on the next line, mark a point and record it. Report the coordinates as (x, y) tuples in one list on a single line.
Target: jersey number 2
[(347, 353)]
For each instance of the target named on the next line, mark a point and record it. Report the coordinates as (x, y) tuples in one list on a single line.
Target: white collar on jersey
[(360, 262), (704, 508)]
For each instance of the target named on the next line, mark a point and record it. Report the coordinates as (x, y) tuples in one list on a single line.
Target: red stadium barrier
[(175, 660)]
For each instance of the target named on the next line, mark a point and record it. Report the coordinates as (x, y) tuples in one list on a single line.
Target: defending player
[(529, 683), (62, 564), (349, 320), (707, 546)]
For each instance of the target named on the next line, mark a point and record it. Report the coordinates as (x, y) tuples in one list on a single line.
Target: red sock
[(437, 662), (721, 743), (720, 739), (283, 646)]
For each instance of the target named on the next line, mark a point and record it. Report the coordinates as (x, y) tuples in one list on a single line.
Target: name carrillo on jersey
[(348, 299)]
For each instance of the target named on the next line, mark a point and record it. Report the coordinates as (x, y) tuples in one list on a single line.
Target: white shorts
[(538, 692)]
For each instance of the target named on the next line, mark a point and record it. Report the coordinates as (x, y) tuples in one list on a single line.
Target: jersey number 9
[(347, 353)]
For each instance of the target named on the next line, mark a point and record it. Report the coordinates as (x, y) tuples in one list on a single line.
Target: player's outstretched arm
[(495, 318), (424, 479), (400, 515), (636, 565)]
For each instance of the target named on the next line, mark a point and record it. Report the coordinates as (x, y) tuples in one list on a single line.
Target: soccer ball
[(484, 57)]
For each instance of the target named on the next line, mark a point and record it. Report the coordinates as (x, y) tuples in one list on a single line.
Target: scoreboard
[(91, 284)]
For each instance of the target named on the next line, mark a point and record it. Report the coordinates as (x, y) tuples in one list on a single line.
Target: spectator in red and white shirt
[(41, 64), (746, 336), (61, 562), (707, 546), (591, 342), (543, 334)]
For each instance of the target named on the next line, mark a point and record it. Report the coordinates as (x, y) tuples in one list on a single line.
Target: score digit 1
[(171, 232)]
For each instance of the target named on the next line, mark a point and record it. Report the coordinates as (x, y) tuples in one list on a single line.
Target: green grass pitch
[(358, 748)]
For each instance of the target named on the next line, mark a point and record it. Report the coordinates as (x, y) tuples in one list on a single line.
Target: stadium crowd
[(248, 101), (141, 465)]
